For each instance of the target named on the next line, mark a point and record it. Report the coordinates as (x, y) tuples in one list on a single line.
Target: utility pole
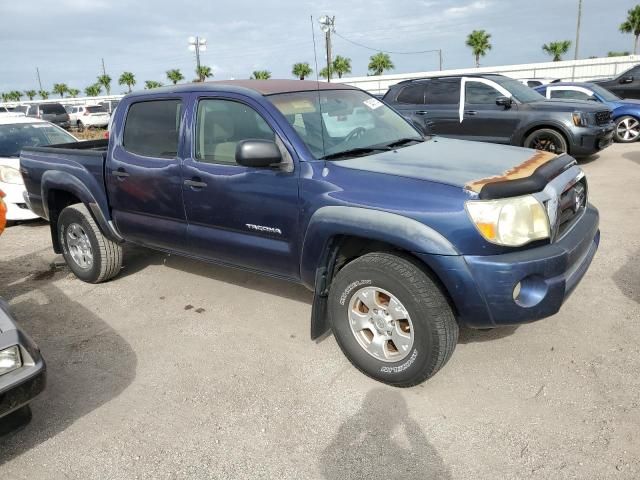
[(575, 57), (38, 75), (197, 44), (440, 55), (104, 72), (327, 26)]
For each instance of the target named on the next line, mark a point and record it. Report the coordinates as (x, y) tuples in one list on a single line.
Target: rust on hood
[(524, 170)]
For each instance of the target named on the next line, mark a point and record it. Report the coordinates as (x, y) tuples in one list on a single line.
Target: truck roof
[(262, 87)]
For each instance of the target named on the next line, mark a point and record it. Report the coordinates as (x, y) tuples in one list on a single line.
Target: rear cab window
[(52, 109), (152, 128)]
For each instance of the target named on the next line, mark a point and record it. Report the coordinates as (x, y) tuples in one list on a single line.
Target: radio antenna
[(315, 58)]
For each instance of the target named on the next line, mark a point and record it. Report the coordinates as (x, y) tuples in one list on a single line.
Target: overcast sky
[(66, 39)]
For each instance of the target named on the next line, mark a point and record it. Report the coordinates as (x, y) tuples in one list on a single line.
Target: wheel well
[(547, 127), (58, 200)]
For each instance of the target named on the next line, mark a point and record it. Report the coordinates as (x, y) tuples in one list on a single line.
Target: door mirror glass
[(504, 101), (627, 79), (258, 153)]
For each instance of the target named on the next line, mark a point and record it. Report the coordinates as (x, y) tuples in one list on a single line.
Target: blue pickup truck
[(402, 238)]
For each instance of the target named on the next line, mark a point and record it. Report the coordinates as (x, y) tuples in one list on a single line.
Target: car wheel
[(548, 140), (391, 320), (80, 126), (90, 255), (627, 129)]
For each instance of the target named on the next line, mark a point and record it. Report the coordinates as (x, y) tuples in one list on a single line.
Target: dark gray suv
[(51, 112), (499, 109)]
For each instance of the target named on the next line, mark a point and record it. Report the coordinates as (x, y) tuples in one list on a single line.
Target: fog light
[(10, 359), (516, 290), (530, 291)]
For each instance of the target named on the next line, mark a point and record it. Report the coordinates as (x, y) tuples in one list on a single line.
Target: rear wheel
[(627, 129), (90, 255), (391, 320), (548, 140)]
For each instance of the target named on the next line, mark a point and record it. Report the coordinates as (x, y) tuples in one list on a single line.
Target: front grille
[(603, 117), (571, 204)]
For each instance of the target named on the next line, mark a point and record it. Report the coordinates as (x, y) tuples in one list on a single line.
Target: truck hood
[(460, 163), (566, 106)]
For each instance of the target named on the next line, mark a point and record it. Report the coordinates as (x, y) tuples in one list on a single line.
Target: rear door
[(143, 174), (441, 112), (239, 215), (410, 102)]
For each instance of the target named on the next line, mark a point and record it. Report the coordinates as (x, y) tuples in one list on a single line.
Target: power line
[(385, 51)]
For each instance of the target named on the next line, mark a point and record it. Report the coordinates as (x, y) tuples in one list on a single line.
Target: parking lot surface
[(181, 369)]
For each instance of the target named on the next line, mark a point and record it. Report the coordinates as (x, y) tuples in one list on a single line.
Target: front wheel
[(627, 129), (391, 320), (90, 255), (548, 140)]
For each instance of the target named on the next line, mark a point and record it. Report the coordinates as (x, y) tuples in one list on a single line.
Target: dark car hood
[(460, 163), (566, 106)]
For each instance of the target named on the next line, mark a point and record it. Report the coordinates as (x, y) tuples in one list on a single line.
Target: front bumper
[(482, 287), (590, 140), (17, 209), (19, 387)]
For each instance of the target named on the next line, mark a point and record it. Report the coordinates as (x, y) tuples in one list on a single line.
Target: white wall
[(571, 70), (53, 98)]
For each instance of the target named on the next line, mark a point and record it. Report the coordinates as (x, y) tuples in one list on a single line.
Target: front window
[(477, 93), (520, 92), (344, 123), (14, 137)]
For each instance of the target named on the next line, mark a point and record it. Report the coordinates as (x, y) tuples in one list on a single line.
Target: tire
[(548, 140), (627, 129), (80, 126), (429, 322), (91, 256)]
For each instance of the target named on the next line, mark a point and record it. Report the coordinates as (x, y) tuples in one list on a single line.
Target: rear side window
[(96, 109), (152, 128), (569, 94), (52, 108), (444, 91), (412, 94), (533, 83)]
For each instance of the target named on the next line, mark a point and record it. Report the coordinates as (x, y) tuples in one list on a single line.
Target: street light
[(197, 44)]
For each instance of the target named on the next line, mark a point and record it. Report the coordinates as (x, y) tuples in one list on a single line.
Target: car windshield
[(344, 123), (15, 136), (520, 92), (605, 94)]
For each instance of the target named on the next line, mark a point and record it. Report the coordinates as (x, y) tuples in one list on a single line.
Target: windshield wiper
[(355, 152), (403, 141)]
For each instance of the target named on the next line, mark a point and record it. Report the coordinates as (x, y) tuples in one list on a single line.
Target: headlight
[(10, 175), (10, 359), (510, 221), (580, 119)]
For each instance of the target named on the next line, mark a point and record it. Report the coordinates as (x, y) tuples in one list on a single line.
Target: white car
[(83, 116), (16, 133)]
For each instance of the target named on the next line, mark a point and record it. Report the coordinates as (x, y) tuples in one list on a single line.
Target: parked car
[(626, 113), (9, 112), (624, 85), (536, 82), (498, 109), (401, 238), (16, 133), (110, 105), (83, 116), (51, 112)]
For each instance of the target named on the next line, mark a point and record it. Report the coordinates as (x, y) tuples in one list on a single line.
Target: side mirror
[(258, 153), (627, 79), (504, 101)]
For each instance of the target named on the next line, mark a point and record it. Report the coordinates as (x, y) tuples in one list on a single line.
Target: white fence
[(571, 70), (65, 100)]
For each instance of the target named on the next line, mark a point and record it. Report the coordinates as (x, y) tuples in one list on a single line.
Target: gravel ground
[(178, 369)]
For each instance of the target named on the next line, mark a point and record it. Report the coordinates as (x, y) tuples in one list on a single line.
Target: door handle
[(120, 173), (470, 112), (195, 183), (421, 112)]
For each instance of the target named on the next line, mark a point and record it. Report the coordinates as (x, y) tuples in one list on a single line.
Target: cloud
[(466, 9)]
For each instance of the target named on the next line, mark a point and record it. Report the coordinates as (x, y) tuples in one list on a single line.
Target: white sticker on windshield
[(373, 103)]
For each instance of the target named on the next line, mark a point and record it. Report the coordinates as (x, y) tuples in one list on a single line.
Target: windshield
[(605, 94), (352, 121), (520, 92), (14, 137)]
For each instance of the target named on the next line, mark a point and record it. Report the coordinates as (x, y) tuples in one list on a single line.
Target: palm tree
[(618, 54), (324, 73), (478, 41), (43, 94), (301, 70), (105, 81), (341, 65), (30, 94), (557, 49), (632, 25), (60, 89), (174, 75), (261, 75), (73, 92), (128, 79), (203, 72), (93, 90), (380, 62), (149, 84), (15, 95), (5, 97)]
